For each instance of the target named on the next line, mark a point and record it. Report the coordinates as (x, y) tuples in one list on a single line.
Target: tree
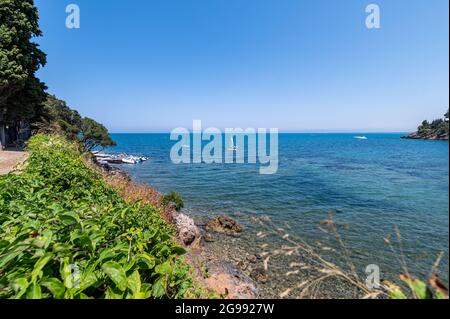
[(19, 57), (57, 117), (94, 134), (27, 103)]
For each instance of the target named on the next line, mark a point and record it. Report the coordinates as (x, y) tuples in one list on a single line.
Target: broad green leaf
[(61, 247), (40, 264), (159, 288), (146, 290), (34, 292), (87, 280), (20, 286), (55, 286), (116, 273), (164, 269), (146, 259), (3, 244), (111, 294), (134, 282), (69, 218)]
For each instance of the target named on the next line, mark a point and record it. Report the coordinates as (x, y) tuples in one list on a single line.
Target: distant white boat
[(360, 137)]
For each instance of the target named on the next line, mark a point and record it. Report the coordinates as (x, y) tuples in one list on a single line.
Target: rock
[(252, 259), (259, 275), (242, 265), (187, 231), (172, 207), (327, 222), (224, 225), (196, 244), (227, 280), (208, 238)]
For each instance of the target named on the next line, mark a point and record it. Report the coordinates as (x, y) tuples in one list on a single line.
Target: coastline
[(299, 207), (230, 270), (433, 137), (223, 259)]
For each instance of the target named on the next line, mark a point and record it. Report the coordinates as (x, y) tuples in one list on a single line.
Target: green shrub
[(173, 198), (66, 234)]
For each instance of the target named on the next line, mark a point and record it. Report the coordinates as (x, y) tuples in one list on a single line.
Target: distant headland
[(436, 130)]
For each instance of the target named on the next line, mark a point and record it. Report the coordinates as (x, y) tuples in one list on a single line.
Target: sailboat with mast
[(232, 147)]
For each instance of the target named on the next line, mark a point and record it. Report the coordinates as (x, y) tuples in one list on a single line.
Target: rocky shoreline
[(428, 137), (234, 262), (215, 273), (437, 130)]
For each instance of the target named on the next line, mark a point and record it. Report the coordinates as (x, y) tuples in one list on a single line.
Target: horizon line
[(281, 132)]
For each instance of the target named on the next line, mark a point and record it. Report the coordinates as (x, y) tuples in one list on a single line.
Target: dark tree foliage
[(94, 135), (20, 91), (58, 117), (22, 95), (438, 127)]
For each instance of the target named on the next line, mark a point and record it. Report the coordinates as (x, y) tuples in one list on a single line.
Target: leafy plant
[(66, 234), (174, 198)]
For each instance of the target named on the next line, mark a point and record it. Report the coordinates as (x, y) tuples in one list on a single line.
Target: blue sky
[(312, 65)]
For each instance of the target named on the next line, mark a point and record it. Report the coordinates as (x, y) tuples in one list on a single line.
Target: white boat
[(101, 155), (129, 160), (360, 137), (134, 159), (233, 147)]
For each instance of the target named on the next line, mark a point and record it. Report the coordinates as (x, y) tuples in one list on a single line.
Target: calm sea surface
[(371, 186)]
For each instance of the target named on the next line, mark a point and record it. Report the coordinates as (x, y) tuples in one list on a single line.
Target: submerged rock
[(327, 222), (207, 237), (224, 225), (228, 281), (187, 231)]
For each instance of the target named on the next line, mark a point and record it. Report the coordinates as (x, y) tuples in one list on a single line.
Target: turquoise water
[(371, 185)]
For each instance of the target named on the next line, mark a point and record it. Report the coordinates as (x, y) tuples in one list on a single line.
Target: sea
[(388, 199)]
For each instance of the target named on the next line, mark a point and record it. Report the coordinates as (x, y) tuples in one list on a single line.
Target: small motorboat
[(129, 160), (102, 155), (360, 137), (134, 159)]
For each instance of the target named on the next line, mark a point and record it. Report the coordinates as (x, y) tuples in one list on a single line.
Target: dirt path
[(9, 160)]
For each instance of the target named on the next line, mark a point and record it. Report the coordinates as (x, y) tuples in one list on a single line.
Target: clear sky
[(297, 65)]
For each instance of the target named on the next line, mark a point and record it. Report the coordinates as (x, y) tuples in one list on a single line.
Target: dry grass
[(133, 192), (319, 270)]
